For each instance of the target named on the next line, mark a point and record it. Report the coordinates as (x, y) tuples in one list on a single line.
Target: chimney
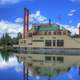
[(79, 30), (26, 21)]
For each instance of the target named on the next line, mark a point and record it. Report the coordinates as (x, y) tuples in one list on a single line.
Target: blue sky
[(11, 13)]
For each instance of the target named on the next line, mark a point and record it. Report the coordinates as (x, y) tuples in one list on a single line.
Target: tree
[(19, 36), (15, 40), (6, 40)]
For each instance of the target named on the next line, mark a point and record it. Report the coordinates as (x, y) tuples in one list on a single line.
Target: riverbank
[(7, 48)]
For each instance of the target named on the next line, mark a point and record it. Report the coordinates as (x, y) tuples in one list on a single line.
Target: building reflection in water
[(47, 64)]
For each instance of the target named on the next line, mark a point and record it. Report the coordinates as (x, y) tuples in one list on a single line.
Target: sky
[(12, 13)]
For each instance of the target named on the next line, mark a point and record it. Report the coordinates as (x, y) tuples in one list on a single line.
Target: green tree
[(5, 40), (19, 36), (15, 40), (8, 39), (2, 40)]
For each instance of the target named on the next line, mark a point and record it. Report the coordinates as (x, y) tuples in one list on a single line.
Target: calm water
[(11, 69)]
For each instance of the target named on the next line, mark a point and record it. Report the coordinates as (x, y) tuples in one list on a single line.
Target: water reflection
[(10, 68), (5, 54), (47, 74)]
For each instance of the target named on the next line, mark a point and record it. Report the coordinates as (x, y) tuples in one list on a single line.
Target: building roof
[(48, 28)]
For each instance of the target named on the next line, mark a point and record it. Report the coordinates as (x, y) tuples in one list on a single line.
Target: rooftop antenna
[(49, 22)]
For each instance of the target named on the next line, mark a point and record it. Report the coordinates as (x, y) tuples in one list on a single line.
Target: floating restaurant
[(48, 45)]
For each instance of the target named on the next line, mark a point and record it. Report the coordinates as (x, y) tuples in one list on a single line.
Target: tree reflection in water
[(6, 54)]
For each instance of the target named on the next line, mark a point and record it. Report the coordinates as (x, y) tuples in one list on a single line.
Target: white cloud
[(17, 26), (9, 27), (73, 29), (70, 14), (4, 2), (9, 1), (38, 18), (78, 25), (14, 27), (74, 10), (19, 68), (19, 20), (11, 63)]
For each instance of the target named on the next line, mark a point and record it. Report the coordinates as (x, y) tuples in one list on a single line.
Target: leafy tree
[(15, 40), (6, 40)]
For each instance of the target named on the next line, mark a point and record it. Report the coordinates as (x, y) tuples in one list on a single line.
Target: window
[(60, 59), (23, 41), (29, 56), (54, 33), (54, 42), (64, 33), (29, 43), (60, 43), (53, 58), (45, 33), (47, 58), (47, 42)]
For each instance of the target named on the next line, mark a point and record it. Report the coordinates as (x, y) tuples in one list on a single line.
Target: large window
[(54, 32), (47, 42), (45, 33), (47, 58), (60, 59), (53, 58), (64, 33), (60, 43), (54, 42), (29, 43)]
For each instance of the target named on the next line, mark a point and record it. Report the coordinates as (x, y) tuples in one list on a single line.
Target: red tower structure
[(26, 22)]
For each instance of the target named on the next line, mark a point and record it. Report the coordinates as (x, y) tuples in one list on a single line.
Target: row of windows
[(58, 59), (55, 33), (23, 42), (59, 43)]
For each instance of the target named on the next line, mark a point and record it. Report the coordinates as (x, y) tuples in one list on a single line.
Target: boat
[(48, 45), (48, 38)]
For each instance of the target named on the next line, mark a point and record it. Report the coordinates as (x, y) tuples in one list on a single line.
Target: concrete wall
[(25, 42), (68, 41)]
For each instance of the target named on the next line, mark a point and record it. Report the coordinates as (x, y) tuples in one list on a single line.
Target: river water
[(11, 69)]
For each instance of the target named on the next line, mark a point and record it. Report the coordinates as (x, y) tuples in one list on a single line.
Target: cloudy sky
[(11, 14)]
